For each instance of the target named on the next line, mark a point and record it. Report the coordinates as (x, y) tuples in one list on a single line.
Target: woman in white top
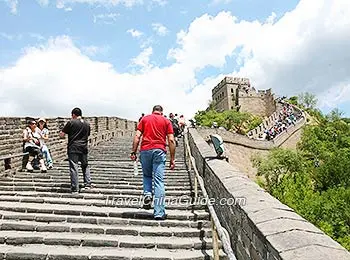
[(31, 140), (44, 136)]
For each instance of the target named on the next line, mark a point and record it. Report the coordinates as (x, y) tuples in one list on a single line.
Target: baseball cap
[(42, 119)]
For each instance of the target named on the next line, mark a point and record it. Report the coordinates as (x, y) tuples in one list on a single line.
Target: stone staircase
[(41, 219)]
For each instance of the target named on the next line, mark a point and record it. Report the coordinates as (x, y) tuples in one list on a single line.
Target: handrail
[(7, 159), (216, 225)]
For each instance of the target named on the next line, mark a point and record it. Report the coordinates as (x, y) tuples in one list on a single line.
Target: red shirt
[(154, 129)]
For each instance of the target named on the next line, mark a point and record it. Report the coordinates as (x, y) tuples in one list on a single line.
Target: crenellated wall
[(260, 227), (102, 128)]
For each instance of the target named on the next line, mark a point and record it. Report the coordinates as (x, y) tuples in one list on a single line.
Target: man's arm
[(135, 144), (65, 130), (172, 145)]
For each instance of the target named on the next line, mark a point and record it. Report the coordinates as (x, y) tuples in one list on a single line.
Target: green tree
[(308, 100), (279, 164)]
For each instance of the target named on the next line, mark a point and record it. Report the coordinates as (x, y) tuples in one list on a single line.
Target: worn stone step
[(181, 183), (102, 240), (59, 252), (102, 175), (83, 195), (96, 220), (67, 184), (116, 191), (184, 204), (132, 230), (78, 210)]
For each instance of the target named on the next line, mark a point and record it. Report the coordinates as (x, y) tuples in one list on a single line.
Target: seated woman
[(32, 146), (44, 136)]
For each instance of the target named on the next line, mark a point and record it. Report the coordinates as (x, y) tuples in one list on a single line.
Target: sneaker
[(50, 166), (160, 217), (147, 202), (75, 192)]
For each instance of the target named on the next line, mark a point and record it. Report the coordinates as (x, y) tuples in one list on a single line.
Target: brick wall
[(102, 128), (262, 228)]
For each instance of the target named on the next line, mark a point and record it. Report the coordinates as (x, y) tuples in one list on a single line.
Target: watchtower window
[(231, 90)]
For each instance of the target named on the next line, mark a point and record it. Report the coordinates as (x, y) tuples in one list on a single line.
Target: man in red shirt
[(154, 129)]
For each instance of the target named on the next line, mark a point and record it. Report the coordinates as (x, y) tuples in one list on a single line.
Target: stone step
[(113, 201), (119, 212), (56, 252), (96, 185), (101, 240), (96, 220), (102, 174), (32, 195), (132, 230), (65, 178), (115, 191)]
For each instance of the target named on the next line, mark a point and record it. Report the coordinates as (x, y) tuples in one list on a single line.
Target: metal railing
[(217, 230)]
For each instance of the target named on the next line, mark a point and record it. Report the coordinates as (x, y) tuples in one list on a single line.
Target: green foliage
[(307, 99), (279, 164), (293, 100), (229, 119), (315, 179)]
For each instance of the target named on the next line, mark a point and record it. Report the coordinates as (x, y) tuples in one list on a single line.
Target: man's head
[(31, 123), (76, 112), (157, 108)]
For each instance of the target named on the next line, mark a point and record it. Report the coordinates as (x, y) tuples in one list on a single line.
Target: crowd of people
[(286, 117)]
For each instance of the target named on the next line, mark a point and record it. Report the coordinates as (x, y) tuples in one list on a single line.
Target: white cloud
[(13, 4), (93, 50), (11, 37), (108, 18), (135, 33), (65, 78), (307, 49), (37, 36), (143, 59), (43, 2), (160, 29)]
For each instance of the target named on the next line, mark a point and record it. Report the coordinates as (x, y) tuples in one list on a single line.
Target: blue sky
[(126, 55)]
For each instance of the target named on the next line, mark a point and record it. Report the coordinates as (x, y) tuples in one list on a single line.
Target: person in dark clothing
[(142, 115), (78, 131)]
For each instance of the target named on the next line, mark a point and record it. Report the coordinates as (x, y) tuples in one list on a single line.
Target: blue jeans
[(46, 154), (153, 162)]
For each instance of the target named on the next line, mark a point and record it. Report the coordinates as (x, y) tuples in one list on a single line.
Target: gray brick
[(100, 242), (121, 231), (62, 241), (17, 226), (29, 239), (25, 256), (52, 228), (88, 230), (49, 218), (68, 257)]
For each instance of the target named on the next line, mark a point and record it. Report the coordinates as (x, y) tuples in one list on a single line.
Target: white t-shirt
[(35, 134), (42, 133)]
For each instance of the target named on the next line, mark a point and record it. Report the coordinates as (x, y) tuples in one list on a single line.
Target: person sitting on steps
[(32, 147)]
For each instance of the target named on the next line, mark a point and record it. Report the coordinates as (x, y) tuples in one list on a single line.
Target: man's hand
[(172, 164), (133, 156)]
